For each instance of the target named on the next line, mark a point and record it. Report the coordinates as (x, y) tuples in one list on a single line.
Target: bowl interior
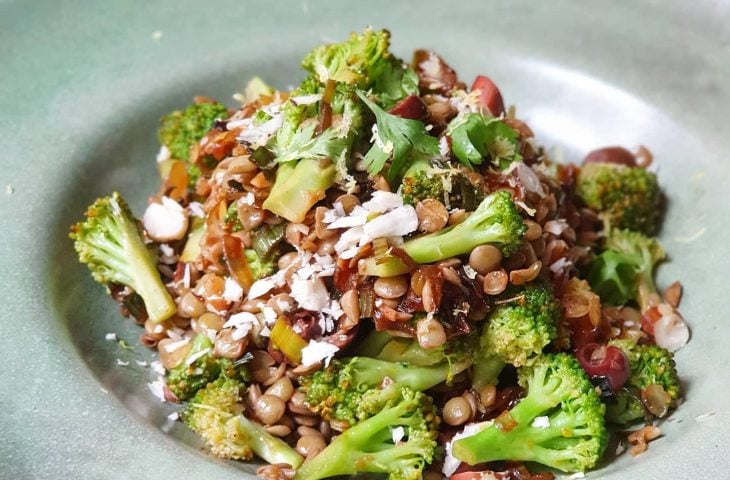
[(570, 111)]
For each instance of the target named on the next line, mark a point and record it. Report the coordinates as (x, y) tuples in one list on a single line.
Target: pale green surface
[(82, 86)]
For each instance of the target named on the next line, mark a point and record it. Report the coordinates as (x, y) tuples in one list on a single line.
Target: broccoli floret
[(199, 368), (307, 162), (629, 197), (650, 365), (110, 242), (625, 409), (516, 332), (496, 221), (259, 267), (215, 414), (336, 392), (353, 61), (369, 447), (625, 269), (421, 181), (474, 137), (559, 423), (182, 129)]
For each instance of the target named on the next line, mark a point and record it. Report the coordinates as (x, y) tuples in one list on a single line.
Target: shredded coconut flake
[(261, 287), (191, 359), (316, 352), (398, 222), (165, 221), (158, 388), (451, 463), (383, 201), (157, 367), (173, 416), (576, 476), (233, 291), (541, 422), (111, 337), (704, 416), (398, 433), (163, 154), (470, 272), (310, 294), (523, 206), (122, 363)]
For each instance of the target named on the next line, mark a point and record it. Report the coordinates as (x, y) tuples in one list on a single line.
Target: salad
[(381, 271)]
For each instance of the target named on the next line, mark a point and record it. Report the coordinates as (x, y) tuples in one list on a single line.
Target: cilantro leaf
[(474, 137), (398, 139)]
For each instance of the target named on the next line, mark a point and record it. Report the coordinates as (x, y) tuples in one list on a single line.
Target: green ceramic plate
[(82, 85)]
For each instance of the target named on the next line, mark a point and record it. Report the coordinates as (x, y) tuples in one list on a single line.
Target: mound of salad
[(381, 271)]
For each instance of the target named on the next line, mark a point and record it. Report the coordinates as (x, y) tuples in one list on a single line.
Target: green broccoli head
[(519, 330), (625, 409), (629, 197), (259, 267), (650, 365), (110, 242), (182, 129), (210, 410), (625, 269), (516, 332), (215, 413), (495, 221), (369, 445), (559, 423), (420, 185), (336, 391), (351, 61), (199, 368)]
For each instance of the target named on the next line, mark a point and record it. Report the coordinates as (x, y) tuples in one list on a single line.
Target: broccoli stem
[(495, 221), (370, 371), (348, 454), (298, 186), (486, 371), (109, 241), (268, 447)]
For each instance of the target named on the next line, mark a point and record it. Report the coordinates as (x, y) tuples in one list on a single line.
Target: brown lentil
[(432, 215), (278, 430), (390, 287), (457, 411), (269, 409), (430, 333), (495, 282), (171, 358), (228, 347), (533, 232), (348, 202), (310, 445), (488, 395), (485, 259), (190, 306), (282, 388), (520, 277)]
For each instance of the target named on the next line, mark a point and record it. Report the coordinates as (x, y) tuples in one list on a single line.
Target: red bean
[(604, 361), (410, 107), (617, 155), (490, 97)]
